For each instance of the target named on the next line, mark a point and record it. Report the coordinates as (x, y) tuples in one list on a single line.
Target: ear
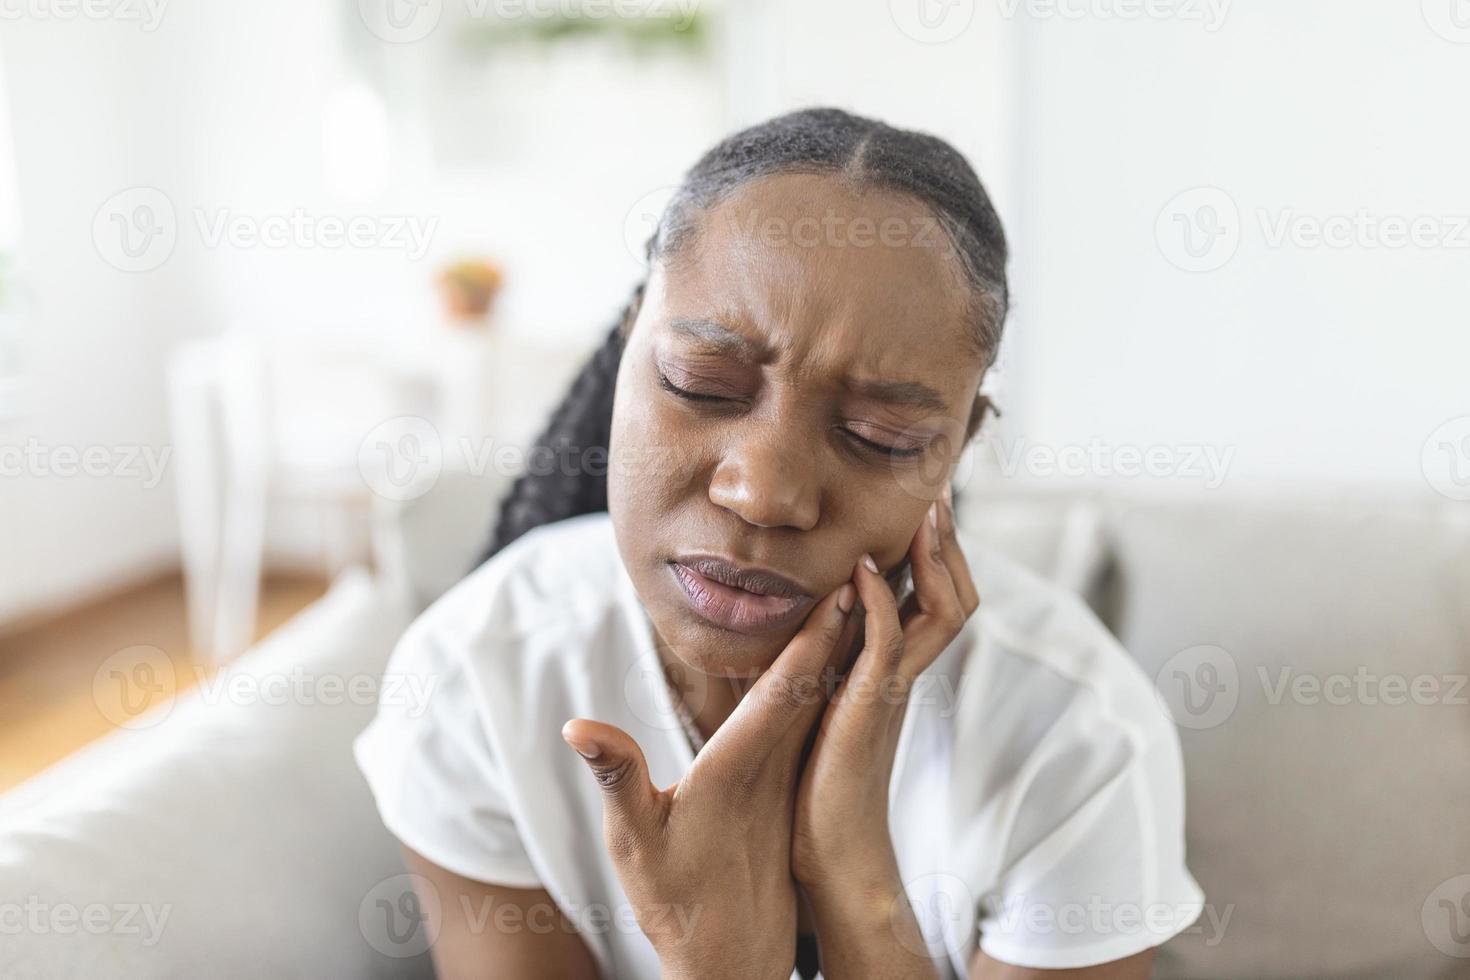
[(979, 411)]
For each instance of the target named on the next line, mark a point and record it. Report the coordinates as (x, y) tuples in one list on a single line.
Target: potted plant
[(468, 289)]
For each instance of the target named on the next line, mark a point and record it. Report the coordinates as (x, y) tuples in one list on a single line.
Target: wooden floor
[(47, 703)]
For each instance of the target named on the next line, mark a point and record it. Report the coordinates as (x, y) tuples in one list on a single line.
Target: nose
[(768, 479)]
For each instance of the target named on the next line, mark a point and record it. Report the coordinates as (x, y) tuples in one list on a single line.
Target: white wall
[(88, 113), (1313, 363)]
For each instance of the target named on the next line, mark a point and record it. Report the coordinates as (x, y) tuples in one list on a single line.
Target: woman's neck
[(710, 698)]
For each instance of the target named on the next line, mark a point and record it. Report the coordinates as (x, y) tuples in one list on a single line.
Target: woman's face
[(817, 337)]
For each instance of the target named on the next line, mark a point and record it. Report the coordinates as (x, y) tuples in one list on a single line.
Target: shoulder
[(1047, 710), (1038, 642), (553, 577), (1065, 780), (545, 608)]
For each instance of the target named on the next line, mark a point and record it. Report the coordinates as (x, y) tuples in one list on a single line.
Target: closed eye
[(868, 445), (892, 452), (685, 393)]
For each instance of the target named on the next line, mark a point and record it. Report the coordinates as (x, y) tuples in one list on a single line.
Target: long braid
[(582, 422)]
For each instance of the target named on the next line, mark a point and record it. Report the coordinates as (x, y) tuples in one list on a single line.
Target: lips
[(745, 600)]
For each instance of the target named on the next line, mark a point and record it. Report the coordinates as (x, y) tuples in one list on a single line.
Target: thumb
[(628, 796)]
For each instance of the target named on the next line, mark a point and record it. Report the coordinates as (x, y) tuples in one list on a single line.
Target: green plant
[(643, 35)]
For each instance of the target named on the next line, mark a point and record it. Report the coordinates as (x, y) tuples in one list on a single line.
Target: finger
[(938, 614), (629, 801), (789, 696), (883, 637), (954, 555)]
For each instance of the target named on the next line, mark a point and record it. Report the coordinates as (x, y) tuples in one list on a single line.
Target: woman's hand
[(842, 854), (706, 863)]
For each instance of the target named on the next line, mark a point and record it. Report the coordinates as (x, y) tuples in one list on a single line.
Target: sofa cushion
[(227, 834), (1314, 657)]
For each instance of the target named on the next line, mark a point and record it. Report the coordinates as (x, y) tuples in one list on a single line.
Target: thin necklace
[(696, 738)]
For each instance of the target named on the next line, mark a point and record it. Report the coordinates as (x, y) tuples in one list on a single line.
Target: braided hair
[(811, 141)]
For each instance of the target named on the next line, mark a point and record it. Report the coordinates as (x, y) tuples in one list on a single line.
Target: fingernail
[(846, 598), (934, 516), (948, 494), (872, 565), (587, 750)]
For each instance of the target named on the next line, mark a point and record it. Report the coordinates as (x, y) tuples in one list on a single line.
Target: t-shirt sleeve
[(1101, 873), (434, 775)]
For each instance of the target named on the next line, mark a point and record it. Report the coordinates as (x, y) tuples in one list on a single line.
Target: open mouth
[(742, 600)]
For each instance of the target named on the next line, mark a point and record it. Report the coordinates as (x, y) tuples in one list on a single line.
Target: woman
[(744, 603)]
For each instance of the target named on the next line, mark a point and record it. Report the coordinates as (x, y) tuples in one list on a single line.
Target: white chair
[(263, 421)]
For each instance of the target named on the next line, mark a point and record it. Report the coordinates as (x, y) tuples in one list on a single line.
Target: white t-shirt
[(1036, 805)]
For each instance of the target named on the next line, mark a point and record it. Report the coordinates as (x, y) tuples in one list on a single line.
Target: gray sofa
[(1313, 653)]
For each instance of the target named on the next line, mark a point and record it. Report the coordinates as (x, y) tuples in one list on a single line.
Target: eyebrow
[(728, 340), (913, 393), (718, 335)]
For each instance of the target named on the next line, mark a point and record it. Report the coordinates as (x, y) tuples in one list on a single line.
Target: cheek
[(652, 459), (883, 521)]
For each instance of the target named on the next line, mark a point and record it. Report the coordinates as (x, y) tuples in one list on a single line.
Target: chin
[(723, 653)]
